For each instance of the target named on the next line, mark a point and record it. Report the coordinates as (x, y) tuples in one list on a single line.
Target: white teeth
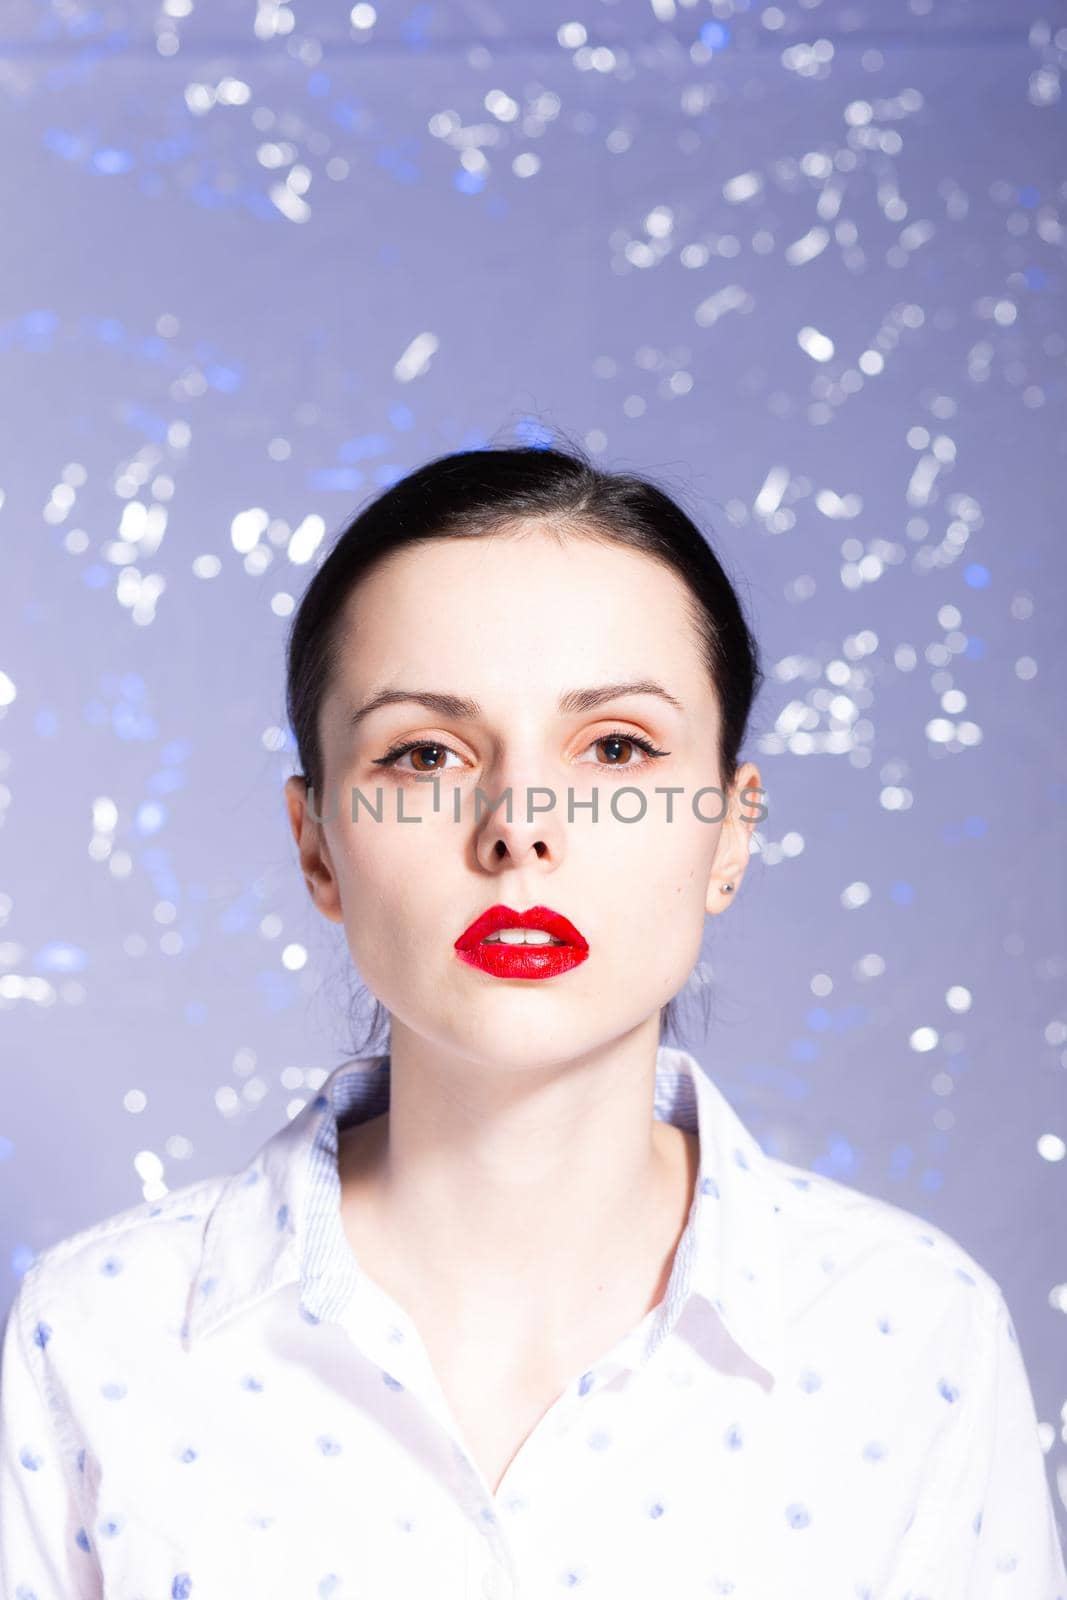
[(521, 936)]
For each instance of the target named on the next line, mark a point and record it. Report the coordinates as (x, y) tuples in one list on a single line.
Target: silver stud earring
[(726, 888)]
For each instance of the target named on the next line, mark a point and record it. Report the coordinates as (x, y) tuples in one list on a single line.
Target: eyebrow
[(456, 707)]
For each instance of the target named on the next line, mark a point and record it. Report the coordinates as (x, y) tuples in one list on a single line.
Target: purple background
[(803, 265)]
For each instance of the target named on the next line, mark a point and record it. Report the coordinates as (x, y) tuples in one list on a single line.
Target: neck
[(488, 1184)]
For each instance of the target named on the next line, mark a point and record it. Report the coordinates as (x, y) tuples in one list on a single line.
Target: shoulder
[(875, 1263), (147, 1254)]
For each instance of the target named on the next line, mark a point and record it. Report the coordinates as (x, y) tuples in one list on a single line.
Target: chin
[(512, 1034)]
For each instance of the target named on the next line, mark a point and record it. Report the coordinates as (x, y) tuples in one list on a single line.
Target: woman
[(517, 1304)]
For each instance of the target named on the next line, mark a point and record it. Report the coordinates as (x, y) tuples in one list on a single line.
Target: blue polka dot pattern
[(207, 1397)]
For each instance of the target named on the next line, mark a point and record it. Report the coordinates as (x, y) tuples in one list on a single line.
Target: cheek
[(665, 862), (665, 927), (399, 888), (647, 893), (367, 872)]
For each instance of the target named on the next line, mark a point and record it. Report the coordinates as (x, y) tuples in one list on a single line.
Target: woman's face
[(513, 623)]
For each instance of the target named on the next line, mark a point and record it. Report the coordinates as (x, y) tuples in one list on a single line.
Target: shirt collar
[(278, 1221)]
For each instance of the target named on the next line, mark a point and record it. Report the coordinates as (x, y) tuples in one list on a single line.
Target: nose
[(532, 833)]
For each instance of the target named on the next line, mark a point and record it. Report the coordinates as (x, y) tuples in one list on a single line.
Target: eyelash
[(392, 756)]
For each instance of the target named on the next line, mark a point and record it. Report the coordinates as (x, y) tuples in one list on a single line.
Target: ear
[(314, 851), (746, 808)]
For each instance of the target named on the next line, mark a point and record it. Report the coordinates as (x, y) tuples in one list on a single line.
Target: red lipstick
[(521, 960)]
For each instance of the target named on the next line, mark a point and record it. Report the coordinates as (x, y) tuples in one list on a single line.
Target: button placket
[(496, 1585)]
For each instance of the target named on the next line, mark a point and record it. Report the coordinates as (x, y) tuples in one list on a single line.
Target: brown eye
[(439, 754), (617, 744), (612, 743), (432, 766)]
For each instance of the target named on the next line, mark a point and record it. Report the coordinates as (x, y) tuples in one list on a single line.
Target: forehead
[(482, 603)]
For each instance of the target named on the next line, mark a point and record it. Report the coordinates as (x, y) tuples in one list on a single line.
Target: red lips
[(522, 960)]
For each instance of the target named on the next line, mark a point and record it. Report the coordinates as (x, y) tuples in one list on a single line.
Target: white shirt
[(205, 1398)]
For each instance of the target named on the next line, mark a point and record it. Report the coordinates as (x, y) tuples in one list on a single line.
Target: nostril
[(501, 849)]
